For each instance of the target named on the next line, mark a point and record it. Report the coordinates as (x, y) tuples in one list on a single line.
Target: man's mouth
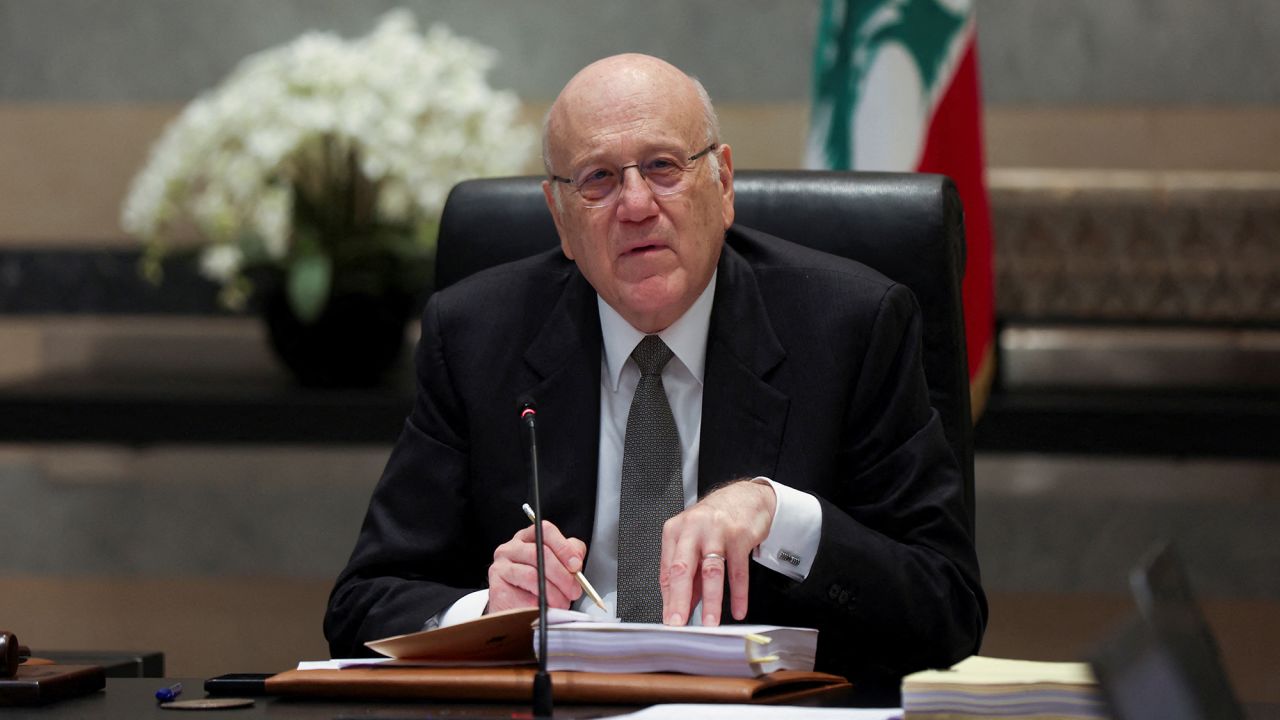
[(644, 249)]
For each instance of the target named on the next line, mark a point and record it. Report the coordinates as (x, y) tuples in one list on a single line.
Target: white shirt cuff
[(794, 535), (467, 607)]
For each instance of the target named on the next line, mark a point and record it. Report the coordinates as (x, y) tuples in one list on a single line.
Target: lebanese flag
[(896, 88)]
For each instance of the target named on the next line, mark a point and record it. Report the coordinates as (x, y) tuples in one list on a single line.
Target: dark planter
[(357, 339)]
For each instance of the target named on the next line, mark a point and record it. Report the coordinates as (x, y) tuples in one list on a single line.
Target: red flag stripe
[(954, 146)]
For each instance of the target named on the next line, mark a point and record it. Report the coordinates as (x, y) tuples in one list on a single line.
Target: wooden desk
[(130, 698)]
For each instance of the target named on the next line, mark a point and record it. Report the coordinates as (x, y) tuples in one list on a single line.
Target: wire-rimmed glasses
[(665, 174)]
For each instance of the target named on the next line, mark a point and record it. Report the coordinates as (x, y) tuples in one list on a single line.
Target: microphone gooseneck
[(542, 701)]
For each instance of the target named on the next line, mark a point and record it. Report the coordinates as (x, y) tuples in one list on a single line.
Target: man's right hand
[(513, 576)]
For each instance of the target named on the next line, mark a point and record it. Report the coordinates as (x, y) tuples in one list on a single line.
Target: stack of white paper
[(726, 650)]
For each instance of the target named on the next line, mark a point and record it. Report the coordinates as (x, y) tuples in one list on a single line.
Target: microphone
[(542, 703)]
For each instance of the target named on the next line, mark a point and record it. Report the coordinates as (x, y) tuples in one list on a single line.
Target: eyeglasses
[(666, 174)]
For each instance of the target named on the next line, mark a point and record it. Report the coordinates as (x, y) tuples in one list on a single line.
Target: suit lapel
[(563, 364), (743, 416)]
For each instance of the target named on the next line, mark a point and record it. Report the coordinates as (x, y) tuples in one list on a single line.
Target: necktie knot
[(651, 355)]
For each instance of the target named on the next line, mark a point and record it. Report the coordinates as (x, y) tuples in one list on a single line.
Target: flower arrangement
[(325, 155)]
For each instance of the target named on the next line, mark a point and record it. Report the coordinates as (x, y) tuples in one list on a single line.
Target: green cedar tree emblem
[(850, 35)]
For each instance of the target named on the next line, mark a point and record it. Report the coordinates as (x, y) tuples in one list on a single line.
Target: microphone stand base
[(542, 694)]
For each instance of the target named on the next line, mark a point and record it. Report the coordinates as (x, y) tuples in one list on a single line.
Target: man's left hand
[(713, 537)]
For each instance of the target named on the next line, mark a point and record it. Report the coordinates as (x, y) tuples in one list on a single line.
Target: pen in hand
[(582, 579)]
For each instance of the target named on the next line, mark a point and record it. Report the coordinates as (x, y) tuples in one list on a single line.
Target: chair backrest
[(908, 226)]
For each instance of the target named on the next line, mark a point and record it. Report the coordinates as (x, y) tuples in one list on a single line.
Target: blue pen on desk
[(168, 694)]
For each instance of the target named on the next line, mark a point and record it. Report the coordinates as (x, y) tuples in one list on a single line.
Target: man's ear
[(726, 183), (548, 194)]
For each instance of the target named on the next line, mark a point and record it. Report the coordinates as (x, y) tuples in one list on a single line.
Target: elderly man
[(729, 424)]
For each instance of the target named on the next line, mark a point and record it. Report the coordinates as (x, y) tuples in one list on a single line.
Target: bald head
[(628, 80), (648, 249)]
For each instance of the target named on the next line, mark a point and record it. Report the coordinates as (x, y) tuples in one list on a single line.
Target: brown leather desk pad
[(501, 684)]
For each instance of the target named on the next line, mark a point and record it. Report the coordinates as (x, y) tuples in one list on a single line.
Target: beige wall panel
[(1246, 631), (1134, 138), (765, 136), (64, 169), (204, 626)]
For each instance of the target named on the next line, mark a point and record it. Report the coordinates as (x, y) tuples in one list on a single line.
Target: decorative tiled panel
[(1135, 246)]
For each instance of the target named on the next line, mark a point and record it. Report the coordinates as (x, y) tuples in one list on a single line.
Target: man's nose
[(637, 200)]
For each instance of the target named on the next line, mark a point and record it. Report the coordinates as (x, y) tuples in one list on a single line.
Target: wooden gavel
[(11, 654)]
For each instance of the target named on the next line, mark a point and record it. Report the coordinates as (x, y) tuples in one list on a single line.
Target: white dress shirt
[(797, 521)]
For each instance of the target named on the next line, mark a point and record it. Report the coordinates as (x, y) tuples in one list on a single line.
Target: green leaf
[(310, 276)]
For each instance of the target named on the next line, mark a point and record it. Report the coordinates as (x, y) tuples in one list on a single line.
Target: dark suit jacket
[(813, 378)]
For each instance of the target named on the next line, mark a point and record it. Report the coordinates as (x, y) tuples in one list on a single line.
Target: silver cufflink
[(789, 557)]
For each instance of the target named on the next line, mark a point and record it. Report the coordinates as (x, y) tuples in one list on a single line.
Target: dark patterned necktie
[(652, 486)]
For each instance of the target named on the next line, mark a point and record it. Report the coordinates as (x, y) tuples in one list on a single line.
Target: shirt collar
[(687, 336)]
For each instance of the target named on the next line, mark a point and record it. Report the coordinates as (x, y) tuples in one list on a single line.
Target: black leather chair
[(908, 226)]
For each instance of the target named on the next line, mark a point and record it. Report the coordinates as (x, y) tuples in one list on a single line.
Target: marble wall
[(1039, 52)]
